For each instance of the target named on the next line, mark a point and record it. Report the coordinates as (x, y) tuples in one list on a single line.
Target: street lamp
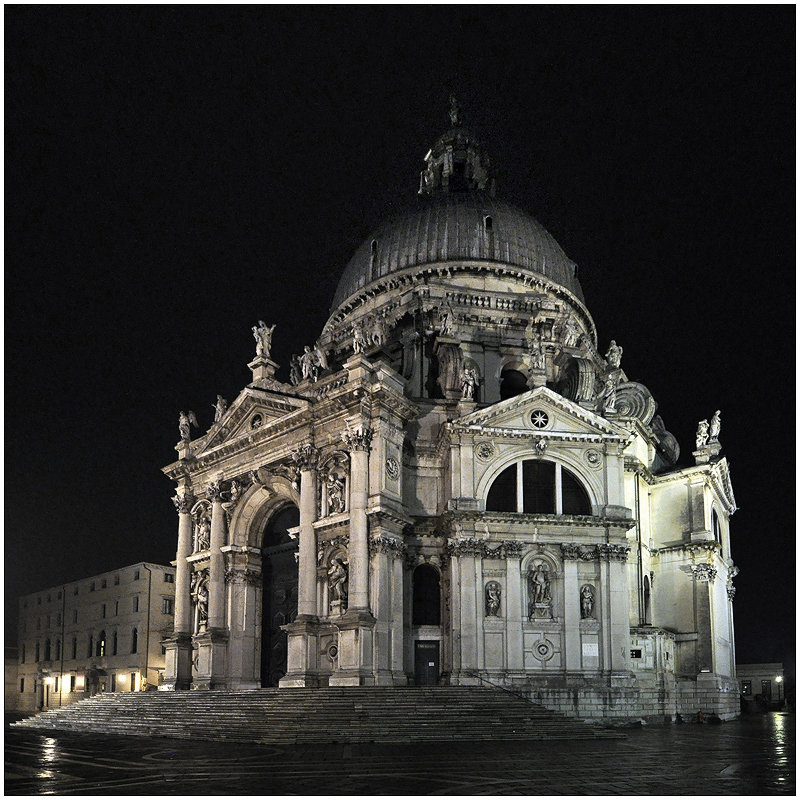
[(779, 681)]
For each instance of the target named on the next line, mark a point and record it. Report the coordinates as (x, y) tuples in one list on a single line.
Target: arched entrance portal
[(279, 575)]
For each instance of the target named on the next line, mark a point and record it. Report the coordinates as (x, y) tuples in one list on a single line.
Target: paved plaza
[(751, 756)]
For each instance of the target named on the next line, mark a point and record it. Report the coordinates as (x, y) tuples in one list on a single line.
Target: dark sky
[(174, 174)]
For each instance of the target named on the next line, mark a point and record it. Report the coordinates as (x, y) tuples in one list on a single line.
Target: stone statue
[(540, 584), (493, 599), (308, 365), (295, 371), (716, 424), (200, 598), (610, 393), (263, 337), (337, 580), (702, 434), (359, 339), (614, 355), (469, 382), (536, 351), (184, 421), (220, 407), (335, 488), (446, 320), (377, 330), (587, 601), (455, 112), (571, 332), (203, 534)]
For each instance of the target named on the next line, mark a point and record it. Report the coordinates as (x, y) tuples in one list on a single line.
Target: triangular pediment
[(253, 409), (522, 415)]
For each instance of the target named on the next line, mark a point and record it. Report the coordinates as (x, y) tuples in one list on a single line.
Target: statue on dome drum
[(714, 428), (536, 349), (701, 439), (220, 407), (185, 420), (610, 393), (469, 382), (311, 362), (263, 337), (295, 370), (360, 342), (614, 355)]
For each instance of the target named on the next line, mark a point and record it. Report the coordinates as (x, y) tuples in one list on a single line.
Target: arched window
[(538, 487), (427, 604), (717, 530), (512, 383), (134, 640)]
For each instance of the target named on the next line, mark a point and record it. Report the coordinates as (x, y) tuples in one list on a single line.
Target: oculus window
[(538, 487)]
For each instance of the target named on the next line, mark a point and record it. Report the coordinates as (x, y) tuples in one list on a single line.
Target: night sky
[(174, 174)]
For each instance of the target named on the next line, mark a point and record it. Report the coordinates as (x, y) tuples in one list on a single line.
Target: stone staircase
[(331, 715)]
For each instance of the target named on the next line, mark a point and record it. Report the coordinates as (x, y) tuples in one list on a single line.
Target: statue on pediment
[(714, 428), (263, 337), (701, 439), (185, 419), (220, 407)]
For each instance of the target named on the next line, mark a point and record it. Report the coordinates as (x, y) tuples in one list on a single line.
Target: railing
[(497, 685)]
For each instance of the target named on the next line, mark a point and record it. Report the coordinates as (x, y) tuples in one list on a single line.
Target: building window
[(22, 684), (427, 603), (47, 650), (74, 646), (168, 606), (37, 652), (101, 644), (766, 690), (90, 651), (91, 586), (134, 640), (538, 487), (114, 642), (72, 683), (136, 604), (58, 649), (487, 223), (512, 383), (116, 608), (103, 611), (22, 655), (717, 530), (74, 615), (747, 688), (104, 583), (116, 580), (169, 577), (75, 590), (136, 575)]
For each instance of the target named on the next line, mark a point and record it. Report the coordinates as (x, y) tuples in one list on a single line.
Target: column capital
[(215, 491), (183, 503), (358, 439), (305, 457)]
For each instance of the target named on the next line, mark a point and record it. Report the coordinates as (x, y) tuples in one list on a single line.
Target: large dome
[(457, 226)]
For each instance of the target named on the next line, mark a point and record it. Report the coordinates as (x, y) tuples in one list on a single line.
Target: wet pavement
[(751, 756)]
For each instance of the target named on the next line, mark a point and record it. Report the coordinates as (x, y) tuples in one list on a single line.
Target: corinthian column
[(182, 588), (306, 459), (216, 570), (358, 442)]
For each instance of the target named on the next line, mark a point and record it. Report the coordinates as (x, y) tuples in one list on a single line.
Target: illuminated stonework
[(458, 461)]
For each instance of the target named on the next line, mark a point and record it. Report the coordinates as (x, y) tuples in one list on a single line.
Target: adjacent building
[(458, 484), (100, 634), (765, 681)]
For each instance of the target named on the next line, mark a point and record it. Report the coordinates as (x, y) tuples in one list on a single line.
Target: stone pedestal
[(302, 654), (263, 369), (177, 663), (210, 647), (353, 666), (709, 452), (450, 360)]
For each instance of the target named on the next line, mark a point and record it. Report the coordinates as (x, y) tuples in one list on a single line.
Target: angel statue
[(311, 362), (716, 424), (184, 421), (263, 336)]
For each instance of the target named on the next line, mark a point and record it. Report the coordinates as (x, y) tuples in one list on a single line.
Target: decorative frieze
[(571, 551), (358, 439), (456, 548), (335, 543)]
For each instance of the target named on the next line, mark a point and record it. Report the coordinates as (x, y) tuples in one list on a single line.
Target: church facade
[(458, 485)]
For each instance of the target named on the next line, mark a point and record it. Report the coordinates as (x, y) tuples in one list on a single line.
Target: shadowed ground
[(751, 756)]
